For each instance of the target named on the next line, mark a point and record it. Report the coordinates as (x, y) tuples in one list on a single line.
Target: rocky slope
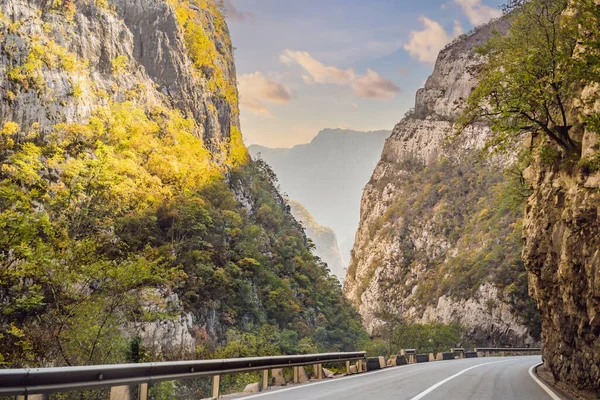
[(562, 255), (439, 236), (326, 245), (327, 176), (130, 203)]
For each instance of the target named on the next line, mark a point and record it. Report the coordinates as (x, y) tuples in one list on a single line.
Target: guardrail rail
[(38, 383), (26, 382)]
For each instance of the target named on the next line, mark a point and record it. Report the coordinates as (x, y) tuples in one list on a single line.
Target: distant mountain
[(327, 176), (323, 237)]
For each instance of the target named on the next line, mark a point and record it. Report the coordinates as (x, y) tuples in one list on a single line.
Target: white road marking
[(552, 395), (440, 383)]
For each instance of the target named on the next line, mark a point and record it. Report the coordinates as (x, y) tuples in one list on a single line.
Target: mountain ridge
[(327, 175), (427, 245)]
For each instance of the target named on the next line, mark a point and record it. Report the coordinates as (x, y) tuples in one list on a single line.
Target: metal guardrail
[(507, 349), (43, 381), (28, 381)]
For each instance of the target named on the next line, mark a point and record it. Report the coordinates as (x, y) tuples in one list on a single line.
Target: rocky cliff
[(562, 254), (62, 60), (326, 244), (136, 226), (439, 236)]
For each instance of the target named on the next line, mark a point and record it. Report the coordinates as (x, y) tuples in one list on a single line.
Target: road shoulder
[(561, 389)]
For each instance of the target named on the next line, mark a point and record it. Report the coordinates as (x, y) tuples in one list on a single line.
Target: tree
[(531, 76)]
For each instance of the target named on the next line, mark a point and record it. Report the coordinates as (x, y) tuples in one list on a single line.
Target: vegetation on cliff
[(540, 86), (104, 217), (478, 210), (532, 75)]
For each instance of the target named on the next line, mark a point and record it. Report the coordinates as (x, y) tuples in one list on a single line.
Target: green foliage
[(134, 199), (548, 155), (102, 218), (377, 347), (591, 163), (136, 353), (532, 74), (427, 338)]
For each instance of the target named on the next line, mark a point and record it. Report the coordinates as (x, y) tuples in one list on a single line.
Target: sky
[(306, 65)]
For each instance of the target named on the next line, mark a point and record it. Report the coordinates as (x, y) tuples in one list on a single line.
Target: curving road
[(494, 378)]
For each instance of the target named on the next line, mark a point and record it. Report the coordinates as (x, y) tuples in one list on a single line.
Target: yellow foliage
[(120, 64), (10, 128), (48, 54), (238, 154)]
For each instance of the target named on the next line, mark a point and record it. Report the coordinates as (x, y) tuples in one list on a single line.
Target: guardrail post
[(265, 379), (348, 367), (319, 371), (216, 380), (120, 393), (296, 373), (143, 391)]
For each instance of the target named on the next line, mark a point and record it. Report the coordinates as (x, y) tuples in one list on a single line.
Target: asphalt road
[(497, 378)]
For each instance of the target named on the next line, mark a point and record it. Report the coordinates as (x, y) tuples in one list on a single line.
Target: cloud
[(371, 85), (374, 86), (424, 45), (308, 80), (237, 15), (318, 72), (402, 71), (255, 89), (478, 13)]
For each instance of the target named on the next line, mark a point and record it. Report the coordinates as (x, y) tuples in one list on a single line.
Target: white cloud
[(478, 13), (255, 89), (371, 85), (374, 86), (424, 45), (233, 13), (318, 72), (308, 80)]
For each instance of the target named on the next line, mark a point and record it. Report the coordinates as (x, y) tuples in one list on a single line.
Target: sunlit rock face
[(420, 235), (143, 31)]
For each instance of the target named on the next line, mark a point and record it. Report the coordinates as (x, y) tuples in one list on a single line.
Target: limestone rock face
[(410, 234), (145, 32), (562, 254)]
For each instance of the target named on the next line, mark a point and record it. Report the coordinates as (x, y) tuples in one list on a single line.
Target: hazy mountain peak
[(327, 175)]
